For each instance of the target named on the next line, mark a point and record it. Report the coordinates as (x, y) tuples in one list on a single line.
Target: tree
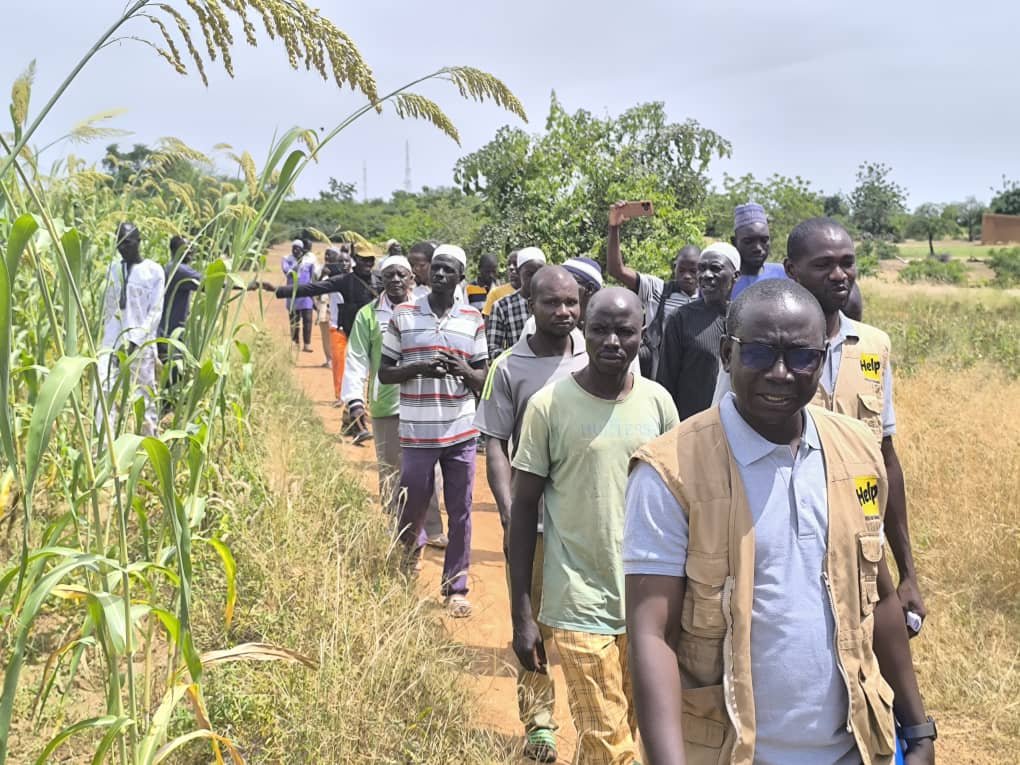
[(835, 206), (787, 201), (928, 221), (554, 189), (969, 214), (876, 199), (1007, 200), (338, 191)]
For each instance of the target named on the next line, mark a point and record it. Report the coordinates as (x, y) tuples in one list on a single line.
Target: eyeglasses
[(761, 356)]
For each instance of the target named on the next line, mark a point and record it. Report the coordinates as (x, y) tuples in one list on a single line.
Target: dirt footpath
[(491, 672)]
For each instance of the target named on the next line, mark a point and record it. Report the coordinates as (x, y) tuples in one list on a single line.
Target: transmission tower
[(407, 166)]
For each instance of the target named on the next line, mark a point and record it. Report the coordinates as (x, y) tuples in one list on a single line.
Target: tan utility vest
[(714, 648), (860, 379)]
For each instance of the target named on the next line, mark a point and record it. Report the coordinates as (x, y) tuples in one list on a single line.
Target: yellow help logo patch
[(866, 487), (871, 367)]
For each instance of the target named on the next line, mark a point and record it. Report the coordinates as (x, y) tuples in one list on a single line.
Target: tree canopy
[(554, 189), (876, 200)]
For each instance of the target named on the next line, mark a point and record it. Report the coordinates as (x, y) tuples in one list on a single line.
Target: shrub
[(930, 270), (867, 265), (879, 249), (1006, 265)]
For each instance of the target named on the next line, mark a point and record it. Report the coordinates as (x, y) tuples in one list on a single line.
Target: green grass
[(957, 249), (317, 573), (954, 327)]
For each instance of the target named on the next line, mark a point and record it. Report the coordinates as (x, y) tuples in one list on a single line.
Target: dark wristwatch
[(915, 733)]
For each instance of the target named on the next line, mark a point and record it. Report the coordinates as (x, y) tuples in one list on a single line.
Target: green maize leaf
[(170, 623), (107, 610), (244, 350), (194, 509), (71, 244), (287, 172), (53, 395), (171, 746), (126, 451), (162, 464), (91, 724), (110, 738), (144, 566), (160, 724), (230, 570), (204, 380), (21, 232)]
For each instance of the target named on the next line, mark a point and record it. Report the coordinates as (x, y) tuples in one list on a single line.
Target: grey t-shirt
[(515, 376), (649, 290), (800, 698)]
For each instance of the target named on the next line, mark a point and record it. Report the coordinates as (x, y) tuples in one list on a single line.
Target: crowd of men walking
[(696, 478)]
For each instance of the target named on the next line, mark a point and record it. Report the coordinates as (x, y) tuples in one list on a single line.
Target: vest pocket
[(879, 696), (703, 601), (704, 720), (869, 411), (870, 545)]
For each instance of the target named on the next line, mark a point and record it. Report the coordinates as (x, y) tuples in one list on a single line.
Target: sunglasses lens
[(757, 355), (803, 360)]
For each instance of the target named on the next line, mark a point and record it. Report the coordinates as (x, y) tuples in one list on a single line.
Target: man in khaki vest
[(856, 376), (763, 623)]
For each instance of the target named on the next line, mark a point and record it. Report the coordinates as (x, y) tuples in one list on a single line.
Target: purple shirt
[(768, 271), (305, 272)]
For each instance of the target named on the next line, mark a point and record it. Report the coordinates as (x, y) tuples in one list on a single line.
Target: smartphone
[(638, 210)]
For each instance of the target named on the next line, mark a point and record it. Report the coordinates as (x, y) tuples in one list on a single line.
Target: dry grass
[(317, 575), (959, 441)]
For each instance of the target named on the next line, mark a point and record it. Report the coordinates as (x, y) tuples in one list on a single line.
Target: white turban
[(529, 254), (395, 260), (451, 251), (725, 249), (297, 243)]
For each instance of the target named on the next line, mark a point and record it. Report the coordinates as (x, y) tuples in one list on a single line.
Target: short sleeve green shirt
[(582, 445)]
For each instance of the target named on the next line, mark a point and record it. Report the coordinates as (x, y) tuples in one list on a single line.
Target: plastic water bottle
[(913, 622)]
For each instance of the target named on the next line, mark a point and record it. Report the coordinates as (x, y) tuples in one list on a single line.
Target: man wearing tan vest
[(856, 377), (763, 622)]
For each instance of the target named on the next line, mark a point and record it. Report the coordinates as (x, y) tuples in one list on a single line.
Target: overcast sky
[(799, 87)]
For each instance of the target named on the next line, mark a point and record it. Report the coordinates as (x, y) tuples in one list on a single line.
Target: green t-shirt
[(582, 445)]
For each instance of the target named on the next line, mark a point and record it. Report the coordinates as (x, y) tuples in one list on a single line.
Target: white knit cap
[(725, 249), (297, 243), (529, 254), (587, 269), (451, 251), (395, 260)]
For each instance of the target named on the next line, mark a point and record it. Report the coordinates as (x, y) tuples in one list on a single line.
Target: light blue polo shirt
[(801, 702)]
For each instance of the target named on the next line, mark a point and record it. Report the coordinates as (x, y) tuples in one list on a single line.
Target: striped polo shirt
[(435, 413)]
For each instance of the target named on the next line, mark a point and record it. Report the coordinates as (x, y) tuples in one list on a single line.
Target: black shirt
[(356, 294), (689, 356)]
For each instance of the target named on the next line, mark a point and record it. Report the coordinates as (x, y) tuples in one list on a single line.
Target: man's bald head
[(612, 330), (773, 297), (548, 278), (615, 298)]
